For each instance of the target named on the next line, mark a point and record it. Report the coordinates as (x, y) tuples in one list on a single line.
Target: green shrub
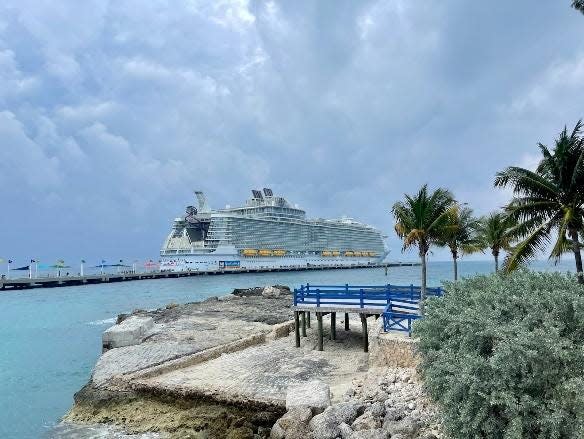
[(504, 356)]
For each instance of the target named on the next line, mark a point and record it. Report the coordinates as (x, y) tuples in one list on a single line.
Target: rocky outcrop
[(314, 395), (130, 331), (387, 403), (267, 291)]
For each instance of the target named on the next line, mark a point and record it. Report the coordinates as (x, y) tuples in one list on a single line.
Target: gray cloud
[(111, 112)]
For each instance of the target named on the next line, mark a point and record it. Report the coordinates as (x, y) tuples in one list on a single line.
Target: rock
[(367, 421), (314, 394), (129, 332), (377, 409), (381, 396), (277, 432), (370, 434), (326, 424), (411, 406), (270, 292), (393, 414), (345, 430), (294, 417), (405, 427)]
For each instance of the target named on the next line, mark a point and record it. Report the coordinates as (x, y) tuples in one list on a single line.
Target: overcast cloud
[(111, 112)]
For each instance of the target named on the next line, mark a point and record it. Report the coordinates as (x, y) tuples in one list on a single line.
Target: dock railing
[(398, 304)]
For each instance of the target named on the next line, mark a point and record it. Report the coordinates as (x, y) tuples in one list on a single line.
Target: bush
[(504, 356)]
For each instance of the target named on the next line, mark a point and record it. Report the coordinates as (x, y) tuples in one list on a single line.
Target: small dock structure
[(398, 305)]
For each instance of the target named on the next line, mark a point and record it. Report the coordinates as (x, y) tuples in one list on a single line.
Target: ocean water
[(51, 338)]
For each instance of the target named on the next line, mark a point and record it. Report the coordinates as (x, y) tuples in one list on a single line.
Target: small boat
[(265, 252), (279, 252), (249, 252)]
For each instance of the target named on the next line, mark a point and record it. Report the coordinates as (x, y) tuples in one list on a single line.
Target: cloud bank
[(112, 112)]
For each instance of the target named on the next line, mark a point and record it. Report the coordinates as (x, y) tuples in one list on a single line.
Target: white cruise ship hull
[(229, 259)]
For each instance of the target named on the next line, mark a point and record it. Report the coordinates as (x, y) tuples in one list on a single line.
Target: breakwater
[(64, 281)]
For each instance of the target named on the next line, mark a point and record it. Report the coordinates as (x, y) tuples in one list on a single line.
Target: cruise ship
[(267, 232)]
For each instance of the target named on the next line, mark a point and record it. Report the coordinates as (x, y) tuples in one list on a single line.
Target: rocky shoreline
[(227, 368)]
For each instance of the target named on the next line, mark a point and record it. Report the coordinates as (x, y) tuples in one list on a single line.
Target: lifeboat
[(249, 252), (336, 253), (372, 254), (265, 252), (358, 254), (349, 253), (326, 253), (279, 252)]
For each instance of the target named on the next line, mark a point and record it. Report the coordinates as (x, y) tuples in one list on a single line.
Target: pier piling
[(319, 320), (297, 328), (347, 321), (303, 320), (333, 325), (308, 319), (365, 334)]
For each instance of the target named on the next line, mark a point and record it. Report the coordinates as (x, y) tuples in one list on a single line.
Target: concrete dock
[(65, 281)]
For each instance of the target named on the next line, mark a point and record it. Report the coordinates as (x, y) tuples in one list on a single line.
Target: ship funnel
[(203, 206)]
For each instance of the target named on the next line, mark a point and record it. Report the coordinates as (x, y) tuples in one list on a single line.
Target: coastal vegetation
[(548, 202), (420, 221), (495, 232), (503, 356), (547, 208), (460, 234)]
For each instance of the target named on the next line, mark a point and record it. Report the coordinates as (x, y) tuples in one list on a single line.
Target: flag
[(32, 261), (83, 261), (10, 261)]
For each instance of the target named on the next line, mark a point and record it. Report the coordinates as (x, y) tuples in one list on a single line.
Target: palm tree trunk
[(423, 288), (455, 261), (496, 256), (577, 255)]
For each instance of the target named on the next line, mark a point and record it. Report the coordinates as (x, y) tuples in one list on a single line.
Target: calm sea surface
[(51, 338)]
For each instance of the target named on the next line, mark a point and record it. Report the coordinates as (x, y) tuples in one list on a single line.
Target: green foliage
[(421, 217), (504, 356), (549, 200), (578, 4)]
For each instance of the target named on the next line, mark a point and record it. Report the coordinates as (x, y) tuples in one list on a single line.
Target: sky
[(113, 112)]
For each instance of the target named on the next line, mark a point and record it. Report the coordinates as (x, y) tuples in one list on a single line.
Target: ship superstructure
[(267, 232)]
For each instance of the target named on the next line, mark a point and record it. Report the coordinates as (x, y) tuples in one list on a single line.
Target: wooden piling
[(308, 319), (365, 334), (303, 318), (320, 336), (346, 321), (297, 328), (333, 325)]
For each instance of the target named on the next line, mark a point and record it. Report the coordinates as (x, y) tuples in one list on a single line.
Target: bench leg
[(346, 321), (297, 328), (365, 334), (319, 321), (303, 318)]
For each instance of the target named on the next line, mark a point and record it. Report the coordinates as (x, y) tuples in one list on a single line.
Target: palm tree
[(419, 222), (496, 232), (460, 234), (551, 199), (579, 5)]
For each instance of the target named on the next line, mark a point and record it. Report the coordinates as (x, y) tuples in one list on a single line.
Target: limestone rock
[(367, 421), (314, 394), (370, 434), (270, 292), (345, 430), (326, 424), (406, 428), (129, 332)]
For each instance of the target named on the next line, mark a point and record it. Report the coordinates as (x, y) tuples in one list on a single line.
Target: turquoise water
[(51, 338)]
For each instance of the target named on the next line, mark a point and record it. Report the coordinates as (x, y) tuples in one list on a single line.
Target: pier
[(66, 281)]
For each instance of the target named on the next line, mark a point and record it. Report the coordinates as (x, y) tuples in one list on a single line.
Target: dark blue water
[(51, 338)]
